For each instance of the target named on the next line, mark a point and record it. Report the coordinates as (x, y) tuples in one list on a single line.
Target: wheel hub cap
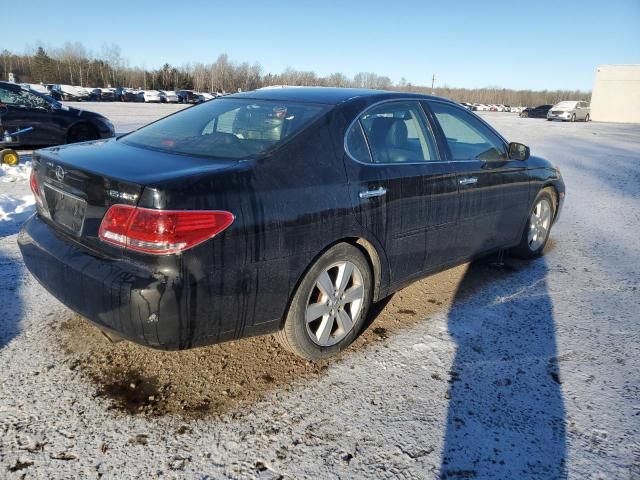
[(334, 304), (539, 224)]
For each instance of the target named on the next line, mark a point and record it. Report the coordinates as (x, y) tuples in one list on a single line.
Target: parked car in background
[(151, 96), (37, 87), (187, 96), (570, 111), (238, 217), (168, 96), (94, 95), (536, 112), (480, 107), (70, 93), (52, 122), (133, 96), (205, 97), (466, 105)]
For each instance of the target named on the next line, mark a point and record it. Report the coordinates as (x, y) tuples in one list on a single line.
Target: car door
[(24, 109), (405, 194), (494, 190)]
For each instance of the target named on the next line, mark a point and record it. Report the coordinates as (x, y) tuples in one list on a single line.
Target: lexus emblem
[(60, 173)]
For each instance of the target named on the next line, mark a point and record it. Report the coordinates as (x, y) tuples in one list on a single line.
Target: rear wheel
[(10, 157), (536, 232), (524, 114), (573, 118), (82, 132), (330, 305)]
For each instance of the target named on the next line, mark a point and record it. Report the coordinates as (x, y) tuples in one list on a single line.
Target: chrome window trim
[(372, 163)]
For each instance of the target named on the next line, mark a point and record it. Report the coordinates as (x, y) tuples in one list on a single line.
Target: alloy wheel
[(334, 304), (539, 224)]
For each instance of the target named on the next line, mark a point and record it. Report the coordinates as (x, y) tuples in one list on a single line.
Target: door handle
[(468, 181), (379, 192)]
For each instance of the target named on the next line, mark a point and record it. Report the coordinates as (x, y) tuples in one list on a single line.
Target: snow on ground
[(530, 371)]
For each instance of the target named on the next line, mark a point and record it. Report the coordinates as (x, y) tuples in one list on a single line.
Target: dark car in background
[(133, 96), (284, 211), (536, 112), (188, 96), (52, 122)]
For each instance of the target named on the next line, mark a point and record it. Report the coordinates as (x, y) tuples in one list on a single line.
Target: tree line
[(73, 64)]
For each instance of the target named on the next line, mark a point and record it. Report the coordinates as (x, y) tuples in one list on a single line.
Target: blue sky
[(534, 44)]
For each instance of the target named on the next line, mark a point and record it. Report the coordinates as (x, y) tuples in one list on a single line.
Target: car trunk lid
[(79, 184)]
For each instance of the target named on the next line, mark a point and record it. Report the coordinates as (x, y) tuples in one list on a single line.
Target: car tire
[(524, 114), (538, 227), (82, 132), (587, 118), (321, 321), (573, 118)]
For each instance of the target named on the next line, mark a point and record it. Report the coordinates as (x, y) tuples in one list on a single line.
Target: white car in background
[(205, 97), (570, 111), (152, 96), (168, 96), (480, 107), (37, 87)]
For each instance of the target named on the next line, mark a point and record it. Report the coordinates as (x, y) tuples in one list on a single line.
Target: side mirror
[(518, 151)]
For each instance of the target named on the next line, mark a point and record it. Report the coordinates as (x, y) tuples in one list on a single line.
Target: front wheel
[(524, 114), (587, 118), (573, 118), (536, 232), (330, 305)]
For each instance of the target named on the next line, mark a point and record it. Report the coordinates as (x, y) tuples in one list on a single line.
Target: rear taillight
[(161, 231), (35, 186)]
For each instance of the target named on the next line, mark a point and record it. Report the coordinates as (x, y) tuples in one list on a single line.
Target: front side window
[(396, 132), (21, 98), (226, 128), (468, 138)]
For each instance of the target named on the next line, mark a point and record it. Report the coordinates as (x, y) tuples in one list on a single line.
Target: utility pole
[(433, 82)]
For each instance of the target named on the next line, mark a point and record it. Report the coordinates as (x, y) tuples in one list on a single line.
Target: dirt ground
[(231, 376)]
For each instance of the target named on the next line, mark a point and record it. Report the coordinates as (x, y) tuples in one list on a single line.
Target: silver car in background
[(570, 110)]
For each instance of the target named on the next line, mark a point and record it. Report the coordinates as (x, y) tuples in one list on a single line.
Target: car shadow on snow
[(506, 415), (11, 304)]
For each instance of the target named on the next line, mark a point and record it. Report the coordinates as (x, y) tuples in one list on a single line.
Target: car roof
[(325, 95), (12, 86)]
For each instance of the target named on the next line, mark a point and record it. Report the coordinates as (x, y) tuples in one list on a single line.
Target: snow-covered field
[(530, 371)]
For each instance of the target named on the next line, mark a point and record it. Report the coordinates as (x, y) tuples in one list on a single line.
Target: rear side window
[(226, 128), (468, 138), (396, 132), (357, 144)]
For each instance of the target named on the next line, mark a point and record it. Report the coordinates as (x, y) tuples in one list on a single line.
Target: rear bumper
[(176, 305), (117, 295)]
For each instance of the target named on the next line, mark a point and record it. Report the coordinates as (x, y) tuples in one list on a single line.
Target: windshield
[(567, 105), (226, 128)]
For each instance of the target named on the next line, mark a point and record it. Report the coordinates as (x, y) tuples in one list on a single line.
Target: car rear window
[(226, 128)]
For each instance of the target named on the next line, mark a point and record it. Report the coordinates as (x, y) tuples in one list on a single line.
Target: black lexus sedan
[(52, 122), (284, 211), (536, 112)]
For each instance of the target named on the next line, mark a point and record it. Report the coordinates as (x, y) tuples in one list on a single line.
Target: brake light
[(35, 186), (161, 231)]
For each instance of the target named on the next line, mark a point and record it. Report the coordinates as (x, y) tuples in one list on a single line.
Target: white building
[(616, 94)]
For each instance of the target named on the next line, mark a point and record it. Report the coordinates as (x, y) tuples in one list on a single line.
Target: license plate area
[(65, 209)]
